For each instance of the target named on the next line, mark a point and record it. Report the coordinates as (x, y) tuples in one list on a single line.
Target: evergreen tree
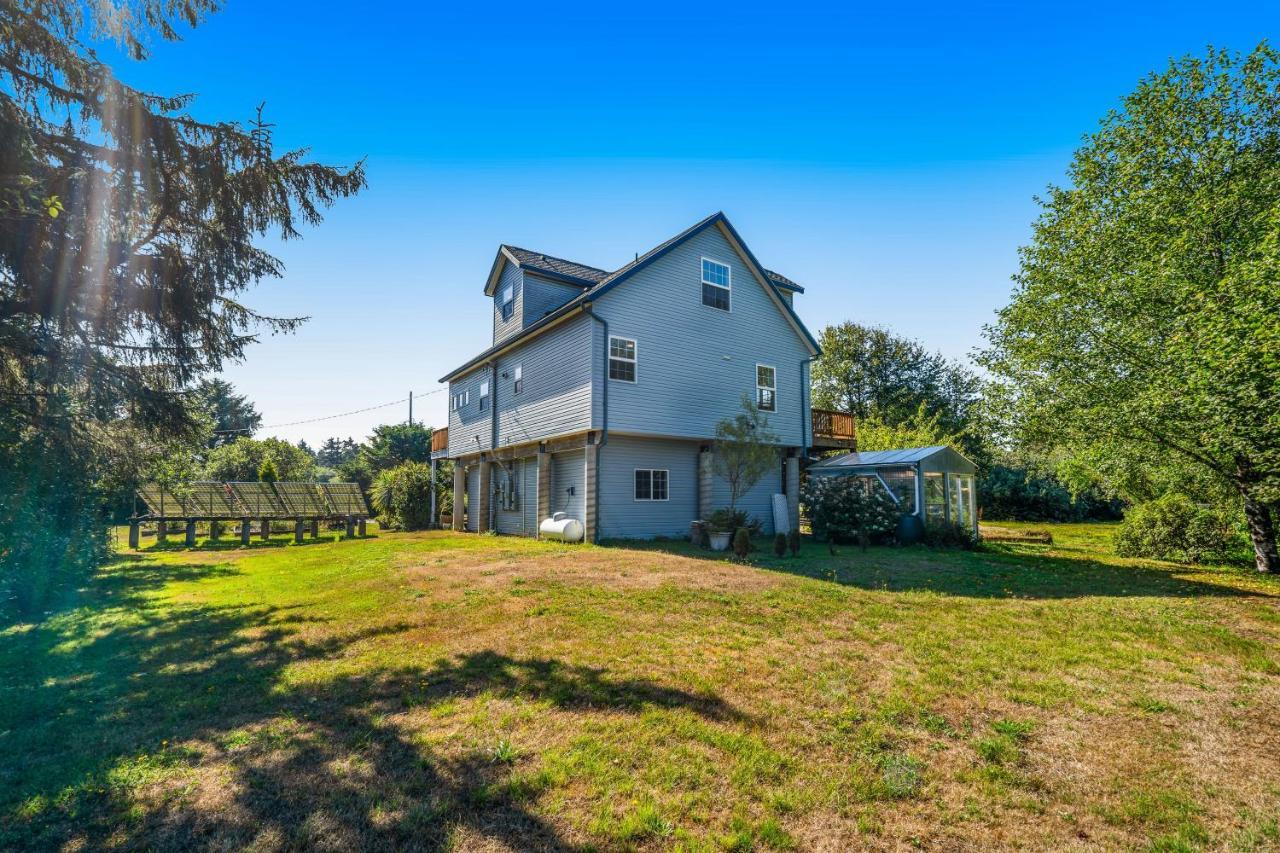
[(233, 415), (127, 238)]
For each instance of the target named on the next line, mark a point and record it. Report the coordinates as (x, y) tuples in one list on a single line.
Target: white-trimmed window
[(766, 388), (508, 303), (457, 401), (717, 280), (517, 384), (651, 484), (484, 395), (622, 359)]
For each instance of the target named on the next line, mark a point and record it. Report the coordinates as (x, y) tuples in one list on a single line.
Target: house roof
[(539, 261), (596, 282), (873, 458)]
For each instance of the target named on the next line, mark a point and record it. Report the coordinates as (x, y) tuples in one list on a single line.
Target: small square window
[(651, 484)]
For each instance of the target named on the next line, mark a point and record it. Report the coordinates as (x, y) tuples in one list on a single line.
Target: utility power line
[(334, 417)]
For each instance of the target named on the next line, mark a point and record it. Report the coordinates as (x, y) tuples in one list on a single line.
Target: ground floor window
[(902, 483), (651, 484)]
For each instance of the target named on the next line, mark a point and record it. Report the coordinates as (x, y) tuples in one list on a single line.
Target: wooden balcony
[(439, 441), (833, 430)]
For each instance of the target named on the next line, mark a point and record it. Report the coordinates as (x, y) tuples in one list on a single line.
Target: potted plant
[(720, 527)]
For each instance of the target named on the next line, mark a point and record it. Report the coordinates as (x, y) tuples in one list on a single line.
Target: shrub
[(1174, 527), (850, 509), (742, 543), (729, 521), (402, 496), (949, 536), (1018, 493), (780, 545), (793, 542)]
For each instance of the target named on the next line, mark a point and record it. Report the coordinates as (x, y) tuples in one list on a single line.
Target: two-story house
[(601, 391)]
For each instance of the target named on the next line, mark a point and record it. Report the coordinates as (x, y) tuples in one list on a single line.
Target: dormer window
[(508, 303), (716, 283)]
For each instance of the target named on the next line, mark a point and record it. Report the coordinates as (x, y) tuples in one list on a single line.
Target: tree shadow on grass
[(140, 723), (995, 571)]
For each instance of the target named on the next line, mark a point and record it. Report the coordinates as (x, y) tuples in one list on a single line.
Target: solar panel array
[(345, 498), (254, 500), (301, 498), (161, 501), (210, 500), (258, 499)]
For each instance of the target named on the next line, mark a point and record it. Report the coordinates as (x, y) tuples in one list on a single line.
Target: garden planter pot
[(719, 541)]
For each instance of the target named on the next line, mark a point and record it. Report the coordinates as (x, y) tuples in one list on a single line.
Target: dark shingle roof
[(782, 281), (539, 260)]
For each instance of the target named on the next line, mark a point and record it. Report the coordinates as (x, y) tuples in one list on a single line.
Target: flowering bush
[(850, 509)]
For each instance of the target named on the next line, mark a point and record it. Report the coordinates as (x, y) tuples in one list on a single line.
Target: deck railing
[(439, 439), (839, 426)]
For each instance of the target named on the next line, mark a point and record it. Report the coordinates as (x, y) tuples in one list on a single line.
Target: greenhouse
[(937, 479)]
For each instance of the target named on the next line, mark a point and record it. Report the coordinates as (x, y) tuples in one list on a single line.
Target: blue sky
[(885, 159)]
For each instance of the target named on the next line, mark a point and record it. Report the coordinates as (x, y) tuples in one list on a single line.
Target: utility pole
[(410, 408)]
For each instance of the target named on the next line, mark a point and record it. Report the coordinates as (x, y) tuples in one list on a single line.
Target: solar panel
[(258, 500), (345, 498), (211, 500), (161, 502), (301, 499)]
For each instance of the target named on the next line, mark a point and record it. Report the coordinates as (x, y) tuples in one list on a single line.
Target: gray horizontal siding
[(510, 276), (541, 297), (469, 428), (621, 516), (758, 501), (569, 469), (694, 362), (557, 385)]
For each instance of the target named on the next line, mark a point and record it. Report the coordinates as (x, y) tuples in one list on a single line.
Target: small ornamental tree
[(850, 509), (267, 473), (746, 450)]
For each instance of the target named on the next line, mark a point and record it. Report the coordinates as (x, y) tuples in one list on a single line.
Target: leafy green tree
[(244, 461), (746, 450), (402, 496), (267, 471), (127, 239), (1143, 331), (233, 415), (920, 430), (873, 373), (395, 444)]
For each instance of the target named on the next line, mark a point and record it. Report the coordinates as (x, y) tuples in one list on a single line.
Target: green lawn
[(451, 691)]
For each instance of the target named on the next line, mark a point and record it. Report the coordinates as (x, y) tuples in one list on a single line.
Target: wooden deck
[(834, 430)]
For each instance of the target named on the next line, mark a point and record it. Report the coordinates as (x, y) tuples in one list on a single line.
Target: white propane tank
[(561, 528)]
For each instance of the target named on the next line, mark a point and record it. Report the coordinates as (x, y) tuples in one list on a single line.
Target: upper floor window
[(766, 388), (651, 484), (518, 385), (457, 401), (622, 359), (484, 396), (508, 301), (716, 282)]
